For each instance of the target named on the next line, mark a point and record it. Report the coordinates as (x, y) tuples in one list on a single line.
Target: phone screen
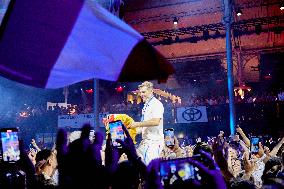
[(169, 137), (185, 170), (254, 144), (116, 132), (10, 145)]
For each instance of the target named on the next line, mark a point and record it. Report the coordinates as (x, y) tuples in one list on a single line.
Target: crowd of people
[(29, 110), (158, 161), (196, 100), (219, 162)]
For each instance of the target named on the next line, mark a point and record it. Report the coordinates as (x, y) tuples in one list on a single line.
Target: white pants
[(149, 150)]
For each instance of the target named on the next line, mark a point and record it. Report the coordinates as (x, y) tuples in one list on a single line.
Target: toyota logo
[(192, 114)]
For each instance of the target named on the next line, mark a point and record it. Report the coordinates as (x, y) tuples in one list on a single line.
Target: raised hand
[(79, 164), (221, 134), (243, 135), (97, 147), (211, 175), (266, 150), (128, 145), (112, 155), (249, 166), (218, 147), (130, 150), (153, 179), (261, 150), (26, 165), (33, 142), (32, 155), (239, 130)]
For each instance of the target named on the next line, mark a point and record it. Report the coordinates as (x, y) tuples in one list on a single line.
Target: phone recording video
[(10, 144), (169, 137), (254, 144), (92, 135), (31, 147), (116, 132), (181, 167)]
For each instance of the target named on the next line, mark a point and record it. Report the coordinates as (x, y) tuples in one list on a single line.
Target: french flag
[(55, 43)]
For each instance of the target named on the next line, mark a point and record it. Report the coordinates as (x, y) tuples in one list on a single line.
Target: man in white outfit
[(151, 124)]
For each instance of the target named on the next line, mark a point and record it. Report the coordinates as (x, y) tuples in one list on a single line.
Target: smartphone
[(116, 132), (10, 144), (92, 135), (181, 167), (169, 137), (31, 147), (254, 144)]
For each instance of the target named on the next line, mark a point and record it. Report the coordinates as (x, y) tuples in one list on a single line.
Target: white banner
[(77, 121), (192, 114), (53, 104), (45, 139)]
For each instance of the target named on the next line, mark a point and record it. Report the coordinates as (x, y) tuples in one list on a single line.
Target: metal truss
[(206, 10), (222, 55), (131, 5), (204, 32)]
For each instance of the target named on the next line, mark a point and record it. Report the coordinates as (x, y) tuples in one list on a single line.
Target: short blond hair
[(147, 84)]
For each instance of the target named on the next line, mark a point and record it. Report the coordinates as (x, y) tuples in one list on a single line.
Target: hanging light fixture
[(175, 21), (281, 6), (239, 12)]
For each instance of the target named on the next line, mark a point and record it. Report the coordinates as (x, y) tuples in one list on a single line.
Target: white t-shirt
[(153, 109), (258, 172)]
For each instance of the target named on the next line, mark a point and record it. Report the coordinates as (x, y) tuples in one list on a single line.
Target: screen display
[(10, 145), (254, 144), (169, 137), (116, 132), (182, 167)]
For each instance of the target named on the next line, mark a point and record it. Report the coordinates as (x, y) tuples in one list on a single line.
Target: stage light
[(89, 91), (281, 6), (119, 89), (181, 135), (175, 21), (239, 12), (268, 77), (24, 114)]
